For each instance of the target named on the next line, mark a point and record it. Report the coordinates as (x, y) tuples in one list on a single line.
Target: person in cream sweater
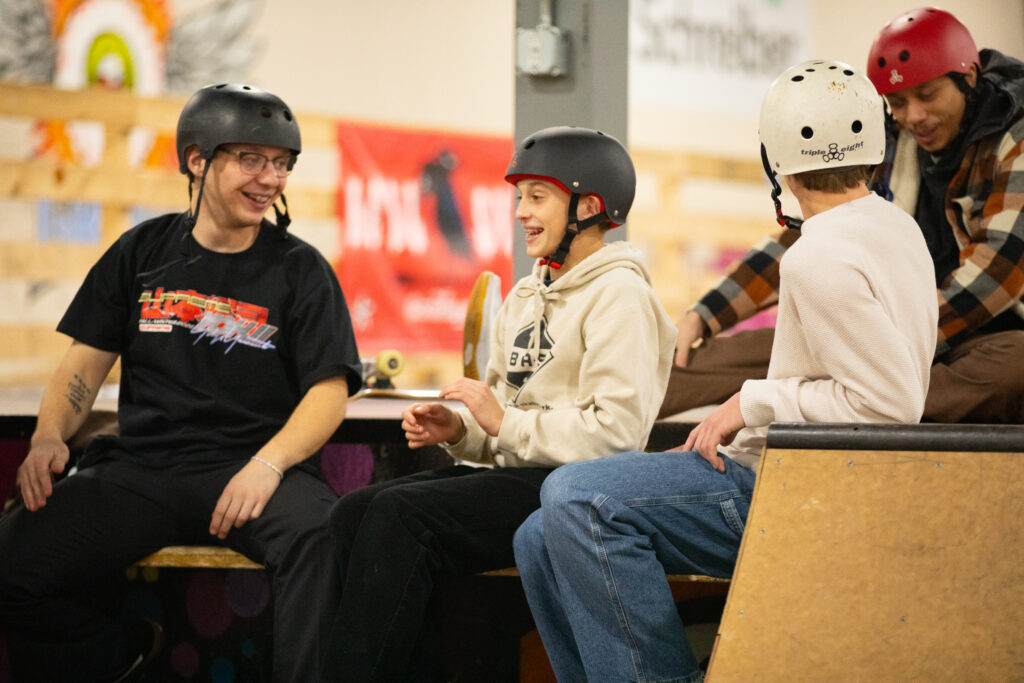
[(579, 362)]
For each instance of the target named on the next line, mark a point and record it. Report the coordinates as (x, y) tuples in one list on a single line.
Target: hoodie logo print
[(522, 362)]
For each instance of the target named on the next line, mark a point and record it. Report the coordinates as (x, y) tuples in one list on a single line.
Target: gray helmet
[(580, 161), (233, 112)]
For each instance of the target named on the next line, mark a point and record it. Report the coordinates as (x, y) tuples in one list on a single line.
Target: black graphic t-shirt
[(216, 349)]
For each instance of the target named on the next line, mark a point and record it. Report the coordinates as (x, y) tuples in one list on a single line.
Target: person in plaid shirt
[(954, 161)]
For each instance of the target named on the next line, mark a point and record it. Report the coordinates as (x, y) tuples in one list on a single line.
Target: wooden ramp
[(880, 553)]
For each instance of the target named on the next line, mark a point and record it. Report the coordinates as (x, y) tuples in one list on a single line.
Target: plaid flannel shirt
[(984, 207)]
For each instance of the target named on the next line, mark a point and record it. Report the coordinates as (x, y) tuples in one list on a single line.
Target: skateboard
[(483, 305), (377, 379)]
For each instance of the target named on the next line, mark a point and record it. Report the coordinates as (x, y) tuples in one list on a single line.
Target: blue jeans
[(593, 560)]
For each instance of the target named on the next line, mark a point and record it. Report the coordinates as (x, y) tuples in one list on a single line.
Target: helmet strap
[(190, 219), (283, 219), (574, 227), (780, 218)]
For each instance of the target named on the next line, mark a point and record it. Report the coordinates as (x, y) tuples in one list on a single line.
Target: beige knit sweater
[(856, 327)]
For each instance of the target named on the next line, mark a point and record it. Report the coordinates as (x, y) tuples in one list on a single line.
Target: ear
[(194, 161), (589, 205), (971, 77)]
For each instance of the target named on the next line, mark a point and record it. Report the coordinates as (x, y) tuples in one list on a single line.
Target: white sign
[(713, 56)]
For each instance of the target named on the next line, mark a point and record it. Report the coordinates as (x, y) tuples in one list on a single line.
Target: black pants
[(396, 538), (109, 515)]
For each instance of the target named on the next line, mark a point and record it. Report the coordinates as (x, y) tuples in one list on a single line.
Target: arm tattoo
[(77, 394)]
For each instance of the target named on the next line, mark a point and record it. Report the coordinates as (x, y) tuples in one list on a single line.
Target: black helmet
[(580, 161), (233, 112)]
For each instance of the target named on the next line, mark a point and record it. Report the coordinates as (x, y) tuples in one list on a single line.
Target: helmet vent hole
[(904, 56), (810, 71), (246, 87), (798, 78), (847, 72), (833, 67), (218, 87), (881, 62), (265, 112), (807, 132), (528, 144), (287, 115), (857, 127)]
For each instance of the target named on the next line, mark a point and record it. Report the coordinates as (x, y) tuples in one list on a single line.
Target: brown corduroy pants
[(981, 380)]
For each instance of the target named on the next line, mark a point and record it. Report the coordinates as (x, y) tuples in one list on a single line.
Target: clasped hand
[(430, 424)]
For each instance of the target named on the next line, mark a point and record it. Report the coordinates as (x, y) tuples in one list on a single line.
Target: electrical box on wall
[(542, 51)]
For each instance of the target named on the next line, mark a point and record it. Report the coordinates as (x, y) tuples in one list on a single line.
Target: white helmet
[(821, 115)]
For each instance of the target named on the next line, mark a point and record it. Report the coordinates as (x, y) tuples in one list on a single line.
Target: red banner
[(422, 214)]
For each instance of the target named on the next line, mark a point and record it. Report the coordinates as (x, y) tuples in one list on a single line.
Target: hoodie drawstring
[(541, 297)]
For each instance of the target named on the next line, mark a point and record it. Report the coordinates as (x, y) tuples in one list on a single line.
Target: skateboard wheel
[(389, 363)]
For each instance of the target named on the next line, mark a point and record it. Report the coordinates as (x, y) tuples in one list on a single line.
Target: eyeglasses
[(253, 163)]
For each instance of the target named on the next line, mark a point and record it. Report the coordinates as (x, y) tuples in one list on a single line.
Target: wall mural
[(135, 45)]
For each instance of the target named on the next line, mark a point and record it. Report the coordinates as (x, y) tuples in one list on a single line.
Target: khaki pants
[(981, 380)]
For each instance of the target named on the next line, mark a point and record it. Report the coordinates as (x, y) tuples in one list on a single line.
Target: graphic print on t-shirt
[(521, 361), (219, 319)]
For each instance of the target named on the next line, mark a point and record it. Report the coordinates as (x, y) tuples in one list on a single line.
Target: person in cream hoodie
[(579, 362), (854, 343)]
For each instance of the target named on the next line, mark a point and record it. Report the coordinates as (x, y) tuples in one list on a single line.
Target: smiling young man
[(237, 360), (579, 359), (955, 161), (932, 111)]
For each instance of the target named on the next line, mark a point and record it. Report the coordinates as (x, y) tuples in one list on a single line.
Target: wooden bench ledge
[(217, 557), (211, 556), (672, 578)]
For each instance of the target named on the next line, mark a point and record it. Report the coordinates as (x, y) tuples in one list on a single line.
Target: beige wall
[(448, 63), (438, 63)]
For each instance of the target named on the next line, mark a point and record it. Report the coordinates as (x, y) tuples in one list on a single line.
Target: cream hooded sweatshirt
[(580, 365)]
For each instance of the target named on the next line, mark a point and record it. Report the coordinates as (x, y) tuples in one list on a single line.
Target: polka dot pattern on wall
[(206, 603), (247, 591), (185, 660)]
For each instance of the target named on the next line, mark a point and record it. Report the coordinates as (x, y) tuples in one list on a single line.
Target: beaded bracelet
[(269, 464)]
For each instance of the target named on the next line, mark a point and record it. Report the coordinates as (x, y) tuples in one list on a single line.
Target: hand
[(243, 498), (35, 476), (718, 428), (427, 425), (691, 330), (480, 400)]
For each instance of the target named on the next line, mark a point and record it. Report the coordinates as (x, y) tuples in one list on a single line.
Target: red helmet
[(918, 46)]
